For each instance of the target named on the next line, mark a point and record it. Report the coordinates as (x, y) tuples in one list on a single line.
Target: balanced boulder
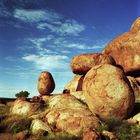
[(108, 92), (125, 49), (46, 83), (82, 63)]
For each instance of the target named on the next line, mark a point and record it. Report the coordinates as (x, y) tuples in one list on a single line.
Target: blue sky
[(38, 35)]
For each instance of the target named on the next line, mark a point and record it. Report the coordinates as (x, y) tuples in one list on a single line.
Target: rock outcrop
[(108, 92), (72, 121), (46, 83), (22, 107), (82, 63), (125, 49)]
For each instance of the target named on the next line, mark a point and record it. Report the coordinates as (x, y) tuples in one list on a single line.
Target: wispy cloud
[(36, 15), (48, 19), (49, 62), (68, 27)]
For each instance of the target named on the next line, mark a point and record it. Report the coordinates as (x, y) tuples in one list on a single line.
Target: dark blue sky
[(37, 35)]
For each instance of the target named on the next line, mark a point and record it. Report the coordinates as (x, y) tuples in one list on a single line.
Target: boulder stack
[(46, 83)]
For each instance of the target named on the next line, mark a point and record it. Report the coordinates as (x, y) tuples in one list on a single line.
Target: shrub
[(22, 94)]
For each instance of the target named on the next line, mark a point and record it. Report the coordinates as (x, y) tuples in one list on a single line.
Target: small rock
[(21, 135), (38, 125), (110, 135), (91, 135)]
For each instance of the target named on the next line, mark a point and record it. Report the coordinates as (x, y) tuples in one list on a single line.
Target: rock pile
[(100, 90), (103, 80)]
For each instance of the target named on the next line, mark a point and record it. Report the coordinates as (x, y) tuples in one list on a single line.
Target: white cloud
[(67, 27), (49, 62), (84, 46), (36, 15)]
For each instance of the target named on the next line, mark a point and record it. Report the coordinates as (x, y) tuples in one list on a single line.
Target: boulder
[(38, 125), (82, 63), (79, 95), (65, 101), (108, 92), (46, 83), (125, 49), (72, 121), (75, 84), (23, 108)]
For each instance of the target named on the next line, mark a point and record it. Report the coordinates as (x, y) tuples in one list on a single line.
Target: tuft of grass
[(14, 124), (102, 127), (123, 129), (54, 136), (4, 110)]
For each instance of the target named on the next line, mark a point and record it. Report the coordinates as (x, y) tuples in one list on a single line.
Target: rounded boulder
[(46, 83), (125, 49), (108, 92), (82, 63)]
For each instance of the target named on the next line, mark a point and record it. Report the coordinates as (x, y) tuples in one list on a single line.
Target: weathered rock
[(91, 135), (108, 92), (75, 84), (135, 85), (38, 125), (110, 135), (23, 108), (65, 101), (79, 95), (82, 63), (21, 135), (46, 83), (125, 49), (72, 121), (135, 119)]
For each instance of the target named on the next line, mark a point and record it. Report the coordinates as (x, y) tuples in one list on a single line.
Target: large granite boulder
[(108, 92), (46, 83), (125, 49), (82, 63), (72, 121), (79, 95), (75, 84)]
